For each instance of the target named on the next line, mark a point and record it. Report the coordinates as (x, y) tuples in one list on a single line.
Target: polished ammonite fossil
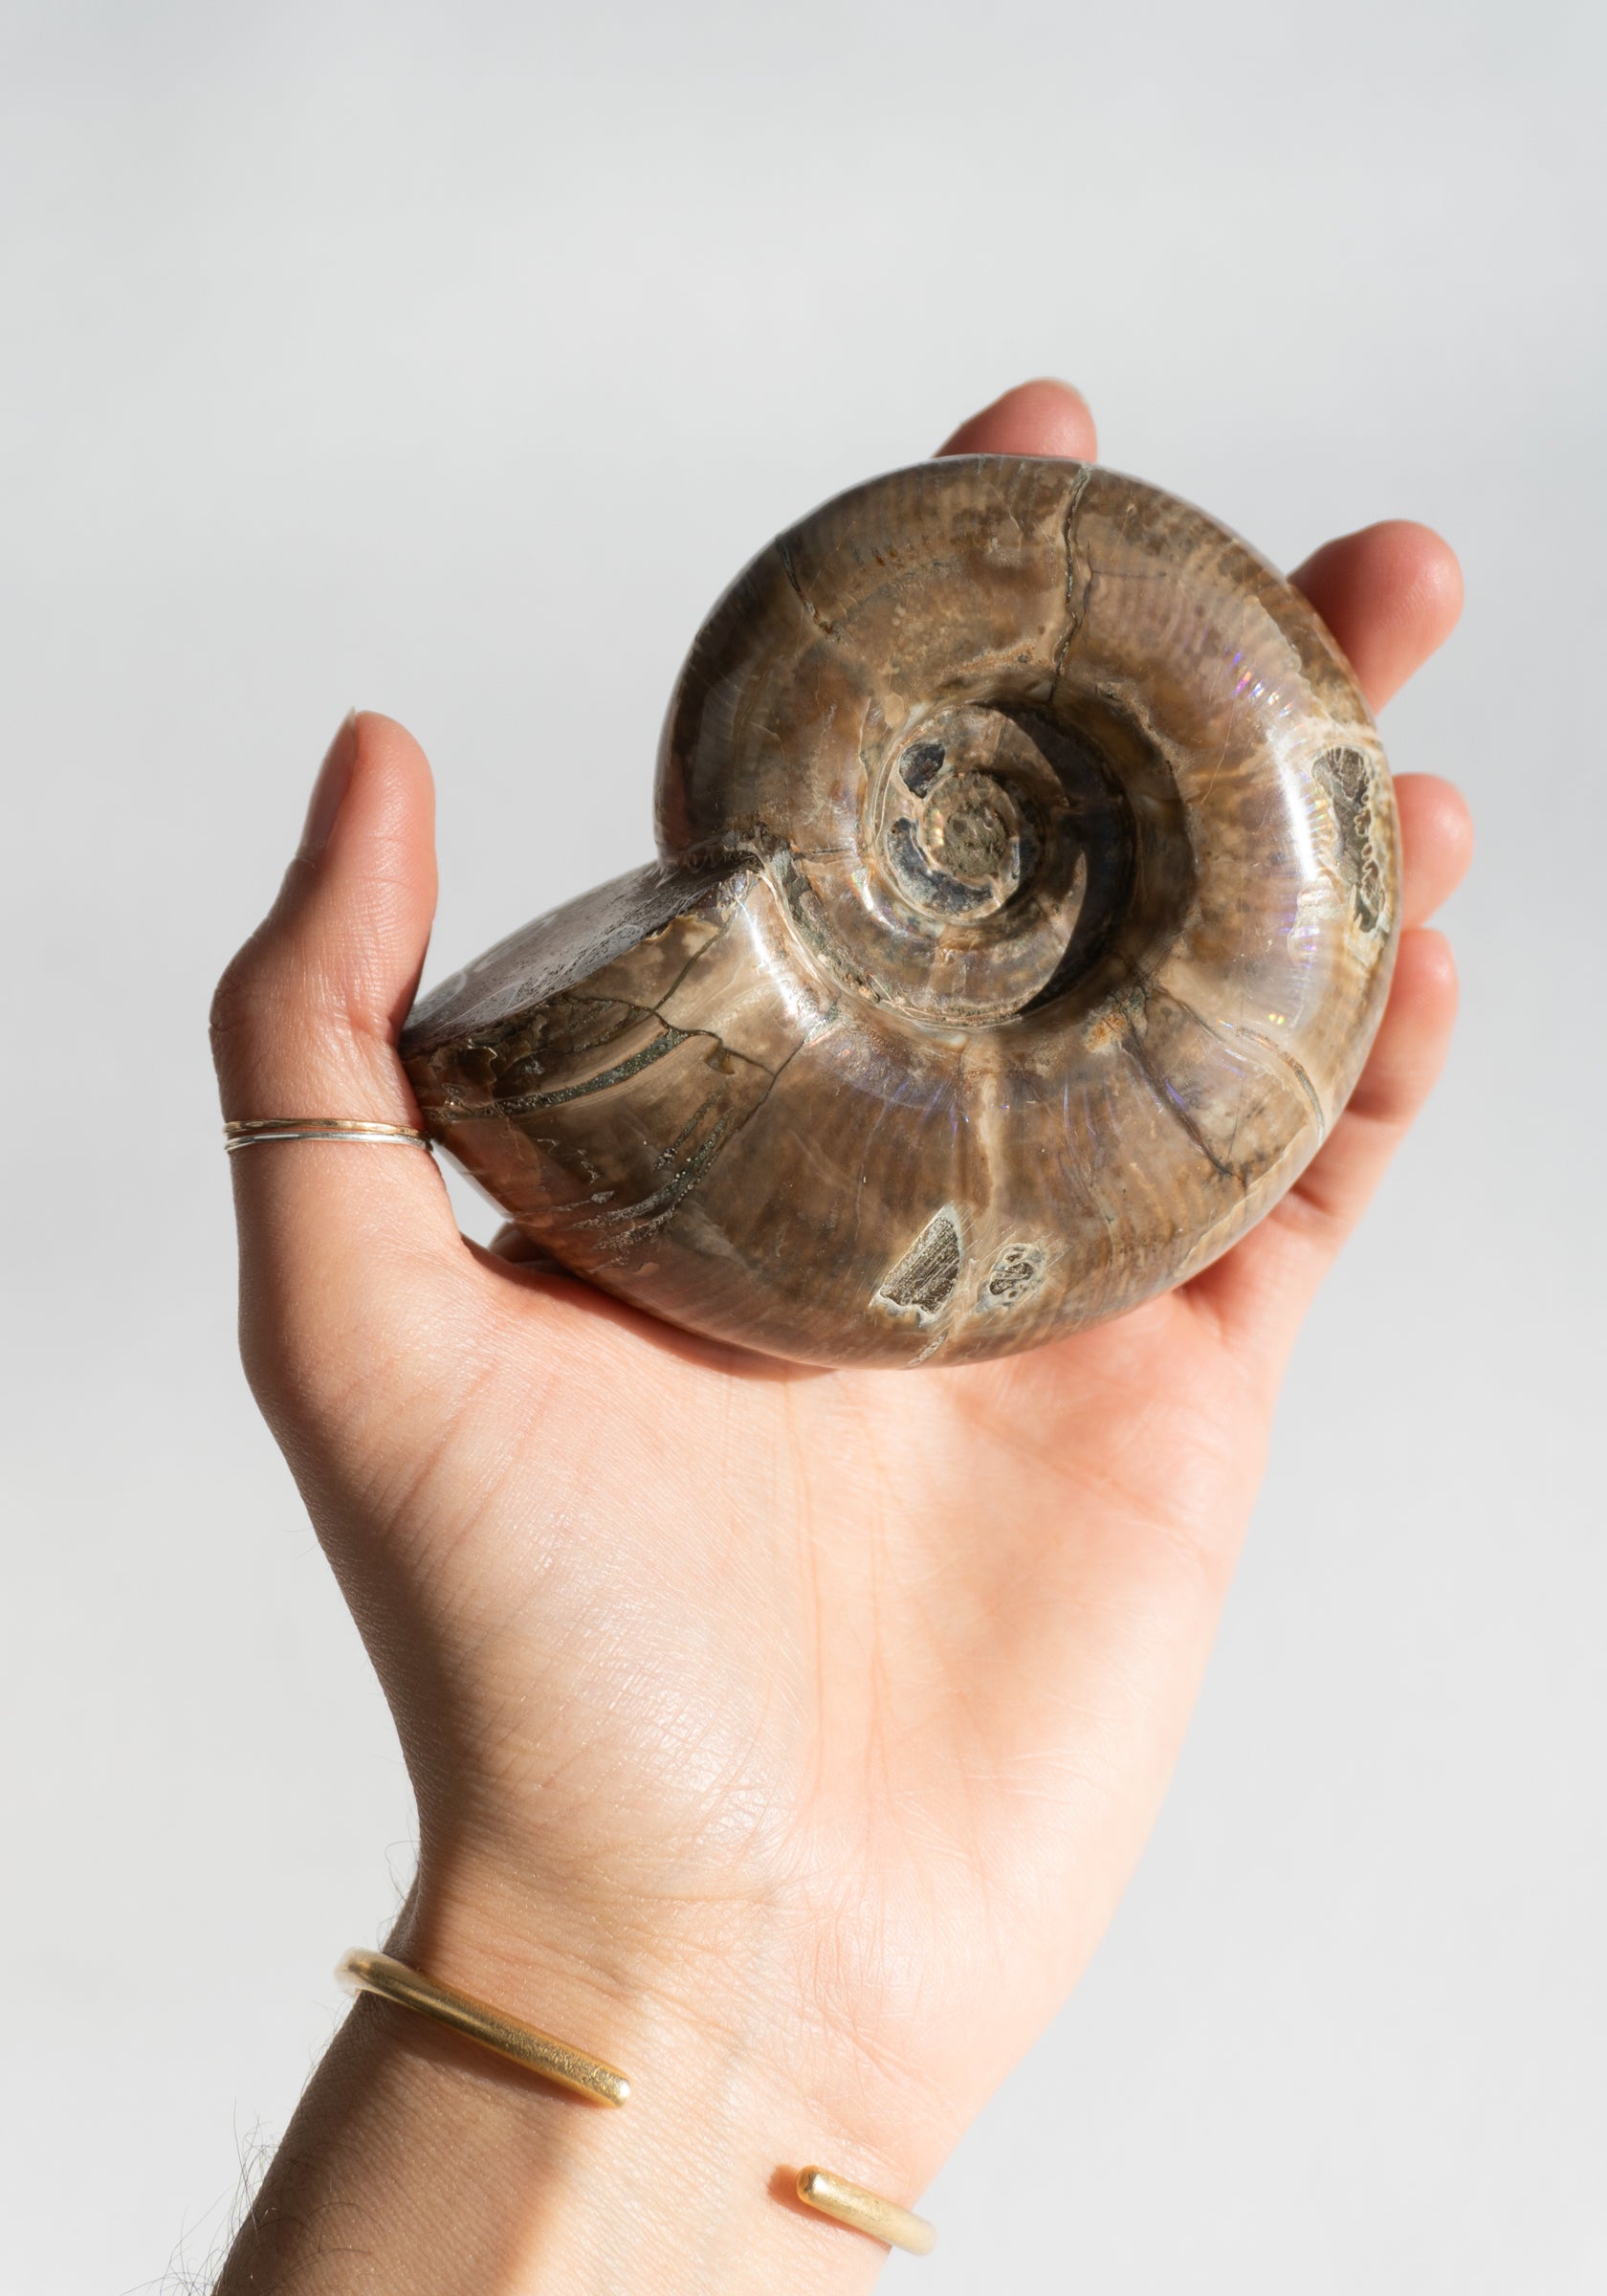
[(1028, 906)]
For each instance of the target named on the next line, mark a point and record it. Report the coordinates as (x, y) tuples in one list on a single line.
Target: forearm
[(419, 2162)]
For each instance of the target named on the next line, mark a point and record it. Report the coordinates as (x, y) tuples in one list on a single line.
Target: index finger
[(1391, 595)]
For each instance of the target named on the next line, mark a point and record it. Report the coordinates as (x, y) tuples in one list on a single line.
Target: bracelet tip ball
[(865, 2211)]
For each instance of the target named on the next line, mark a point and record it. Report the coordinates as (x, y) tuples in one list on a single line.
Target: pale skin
[(786, 1737)]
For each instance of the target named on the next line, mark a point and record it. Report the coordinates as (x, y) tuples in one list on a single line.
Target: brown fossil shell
[(1028, 909)]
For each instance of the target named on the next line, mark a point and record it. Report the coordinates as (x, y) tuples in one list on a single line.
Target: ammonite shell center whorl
[(1027, 909)]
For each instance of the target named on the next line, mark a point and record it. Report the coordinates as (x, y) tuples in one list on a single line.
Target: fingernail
[(330, 788)]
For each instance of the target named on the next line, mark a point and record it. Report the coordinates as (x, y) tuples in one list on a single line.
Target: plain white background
[(449, 360)]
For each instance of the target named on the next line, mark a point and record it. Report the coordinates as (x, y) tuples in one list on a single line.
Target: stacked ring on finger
[(256, 1131)]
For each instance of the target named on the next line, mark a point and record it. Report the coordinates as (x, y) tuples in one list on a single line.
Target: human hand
[(786, 1736)]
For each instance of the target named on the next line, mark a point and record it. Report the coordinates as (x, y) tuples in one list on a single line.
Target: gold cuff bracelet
[(832, 2196), (476, 2020)]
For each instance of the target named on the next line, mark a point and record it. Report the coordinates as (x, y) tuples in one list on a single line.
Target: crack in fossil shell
[(649, 1215), (1286, 1059), (1076, 608), (529, 1104), (1170, 1098), (785, 554)]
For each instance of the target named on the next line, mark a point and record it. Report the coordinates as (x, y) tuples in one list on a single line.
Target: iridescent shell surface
[(1028, 908)]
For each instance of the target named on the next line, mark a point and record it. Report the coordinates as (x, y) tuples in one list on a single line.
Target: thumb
[(335, 1233)]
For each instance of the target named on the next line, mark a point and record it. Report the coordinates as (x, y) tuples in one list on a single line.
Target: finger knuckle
[(237, 1000)]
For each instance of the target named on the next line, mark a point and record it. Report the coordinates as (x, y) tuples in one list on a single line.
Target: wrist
[(423, 2164), (694, 2182)]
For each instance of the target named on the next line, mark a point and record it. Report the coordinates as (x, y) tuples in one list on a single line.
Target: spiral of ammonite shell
[(1028, 906)]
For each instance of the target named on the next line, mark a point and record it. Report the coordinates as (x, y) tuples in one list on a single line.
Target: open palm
[(824, 1712)]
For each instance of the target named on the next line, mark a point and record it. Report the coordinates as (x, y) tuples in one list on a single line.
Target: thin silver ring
[(255, 1131)]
